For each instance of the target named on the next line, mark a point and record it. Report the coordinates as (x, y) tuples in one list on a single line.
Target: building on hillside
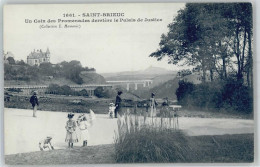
[(38, 57)]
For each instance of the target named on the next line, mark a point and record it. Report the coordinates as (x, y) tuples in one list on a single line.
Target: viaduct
[(145, 83)]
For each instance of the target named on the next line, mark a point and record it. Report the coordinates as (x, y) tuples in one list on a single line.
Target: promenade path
[(23, 132)]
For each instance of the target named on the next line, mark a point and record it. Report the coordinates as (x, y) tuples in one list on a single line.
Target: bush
[(184, 91), (228, 95), (100, 92), (65, 90), (83, 92), (15, 90), (154, 142), (237, 96)]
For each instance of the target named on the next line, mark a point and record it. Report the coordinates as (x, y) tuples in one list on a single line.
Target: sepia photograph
[(129, 83)]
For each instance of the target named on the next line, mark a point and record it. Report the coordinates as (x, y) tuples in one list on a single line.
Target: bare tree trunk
[(203, 71), (239, 72), (211, 75), (250, 61), (224, 67)]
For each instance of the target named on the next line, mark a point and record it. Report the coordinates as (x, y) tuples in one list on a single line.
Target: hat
[(153, 94), (70, 115), (49, 137), (119, 92), (111, 104)]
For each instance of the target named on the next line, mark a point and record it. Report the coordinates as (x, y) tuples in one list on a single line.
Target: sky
[(107, 47)]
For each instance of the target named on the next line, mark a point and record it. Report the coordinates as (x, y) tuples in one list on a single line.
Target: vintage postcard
[(128, 83)]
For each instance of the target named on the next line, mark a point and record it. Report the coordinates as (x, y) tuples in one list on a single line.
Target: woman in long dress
[(152, 106), (71, 136), (118, 104)]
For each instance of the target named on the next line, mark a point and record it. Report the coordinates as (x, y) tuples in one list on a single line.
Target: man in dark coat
[(34, 102), (118, 103)]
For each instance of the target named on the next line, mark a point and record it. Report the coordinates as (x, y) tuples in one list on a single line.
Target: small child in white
[(111, 110), (46, 143), (83, 126)]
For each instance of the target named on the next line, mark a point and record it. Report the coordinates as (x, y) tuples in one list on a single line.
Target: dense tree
[(210, 35), (46, 69), (21, 62), (71, 70), (22, 71), (11, 60), (239, 16)]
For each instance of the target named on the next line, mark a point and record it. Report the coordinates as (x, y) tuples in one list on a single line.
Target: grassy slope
[(166, 89), (205, 149), (92, 78), (88, 78)]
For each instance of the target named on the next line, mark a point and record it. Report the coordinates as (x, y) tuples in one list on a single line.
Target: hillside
[(65, 73), (40, 81), (148, 73), (92, 78), (88, 78), (166, 89), (160, 79)]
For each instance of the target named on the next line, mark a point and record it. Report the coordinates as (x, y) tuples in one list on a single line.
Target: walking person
[(34, 102), (118, 103), (71, 136), (152, 105), (164, 112)]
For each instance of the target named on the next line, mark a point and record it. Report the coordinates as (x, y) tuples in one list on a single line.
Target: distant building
[(38, 57)]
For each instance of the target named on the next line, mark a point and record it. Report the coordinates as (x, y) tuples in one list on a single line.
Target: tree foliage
[(22, 71), (65, 90), (11, 60), (101, 92), (213, 36), (228, 95)]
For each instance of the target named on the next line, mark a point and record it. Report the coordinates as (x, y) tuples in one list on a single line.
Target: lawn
[(204, 149), (100, 106)]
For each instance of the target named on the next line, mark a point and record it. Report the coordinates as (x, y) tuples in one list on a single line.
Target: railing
[(130, 81)]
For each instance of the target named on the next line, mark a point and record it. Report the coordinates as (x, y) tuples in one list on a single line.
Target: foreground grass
[(78, 155), (222, 148), (204, 149)]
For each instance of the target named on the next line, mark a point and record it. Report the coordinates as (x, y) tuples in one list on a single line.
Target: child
[(83, 126), (46, 143), (71, 136), (111, 110)]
